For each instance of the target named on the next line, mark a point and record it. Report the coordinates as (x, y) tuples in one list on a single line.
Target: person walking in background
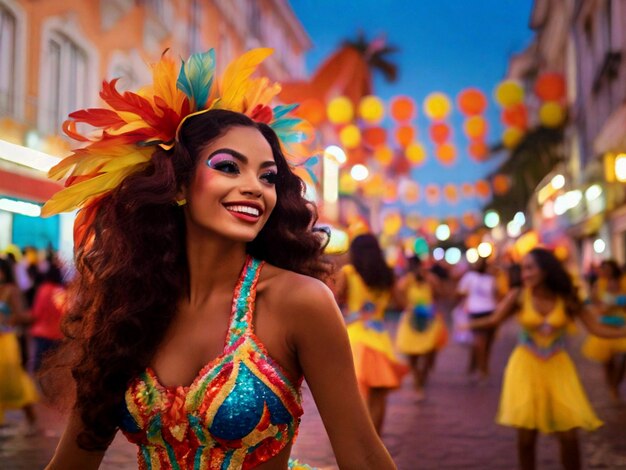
[(17, 390), (609, 302), (421, 331), (364, 288), (541, 391), (47, 311), (477, 294)]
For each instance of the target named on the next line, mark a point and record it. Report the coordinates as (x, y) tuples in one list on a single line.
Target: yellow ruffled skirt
[(602, 349), (411, 342), (17, 389), (374, 360), (544, 394)]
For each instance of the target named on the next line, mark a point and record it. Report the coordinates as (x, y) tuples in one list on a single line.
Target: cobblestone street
[(452, 429)]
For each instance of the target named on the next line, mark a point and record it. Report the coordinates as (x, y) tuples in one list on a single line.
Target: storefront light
[(599, 245), (442, 232), (558, 181), (26, 156), (472, 255), (453, 255), (513, 230), (620, 167), (519, 218), (20, 207), (337, 153), (359, 172), (485, 249), (438, 253), (492, 219), (593, 192)]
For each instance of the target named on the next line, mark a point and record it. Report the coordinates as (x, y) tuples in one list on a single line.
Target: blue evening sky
[(444, 45)]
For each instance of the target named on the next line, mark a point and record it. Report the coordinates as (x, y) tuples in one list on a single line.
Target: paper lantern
[(392, 223), (482, 189), (375, 136), (515, 116), (347, 184), (400, 165), (371, 109), (478, 150), (551, 114), (313, 110), (374, 187), (439, 132), (350, 136), (340, 110), (453, 224), (415, 153), (471, 101), (432, 193), (437, 106), (474, 239), (451, 193), (475, 127), (409, 192), (512, 136), (467, 189), (501, 184), (469, 220), (431, 224), (383, 155), (561, 252), (413, 220), (405, 135), (390, 192), (357, 155), (509, 93), (550, 87), (446, 154), (402, 108)]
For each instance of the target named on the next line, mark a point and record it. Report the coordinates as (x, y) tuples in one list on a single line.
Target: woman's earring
[(181, 202)]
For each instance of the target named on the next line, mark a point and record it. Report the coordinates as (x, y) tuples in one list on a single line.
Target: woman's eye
[(225, 166), (269, 177)]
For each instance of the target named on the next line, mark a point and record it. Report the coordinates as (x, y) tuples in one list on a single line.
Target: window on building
[(195, 27), (8, 65), (253, 20), (67, 79)]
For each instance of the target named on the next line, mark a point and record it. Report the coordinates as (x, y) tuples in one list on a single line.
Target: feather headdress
[(134, 123)]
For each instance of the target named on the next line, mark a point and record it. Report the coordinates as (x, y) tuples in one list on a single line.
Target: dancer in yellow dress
[(421, 331), (609, 300), (541, 389), (365, 288), (17, 390)]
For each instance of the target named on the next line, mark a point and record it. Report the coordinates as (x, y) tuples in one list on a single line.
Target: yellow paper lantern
[(392, 223), (509, 93), (410, 192), (347, 184), (415, 153), (371, 109), (512, 136), (390, 192), (350, 136), (340, 110), (437, 106), (551, 114), (374, 186), (475, 127), (383, 155)]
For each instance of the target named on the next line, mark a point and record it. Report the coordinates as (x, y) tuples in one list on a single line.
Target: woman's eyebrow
[(241, 157)]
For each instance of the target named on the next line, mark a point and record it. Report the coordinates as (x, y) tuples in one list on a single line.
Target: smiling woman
[(198, 308)]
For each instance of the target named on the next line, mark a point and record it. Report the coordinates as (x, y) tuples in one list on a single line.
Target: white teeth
[(244, 210)]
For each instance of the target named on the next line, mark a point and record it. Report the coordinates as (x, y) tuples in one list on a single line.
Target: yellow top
[(418, 293), (543, 334), (364, 299)]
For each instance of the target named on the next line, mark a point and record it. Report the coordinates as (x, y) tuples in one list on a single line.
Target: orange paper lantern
[(405, 135), (471, 101), (550, 87), (478, 150), (402, 108), (390, 192), (475, 239), (451, 193), (410, 192), (432, 193), (439, 132), (313, 110), (446, 154), (467, 189), (383, 155), (475, 127), (501, 184), (482, 188), (453, 224), (515, 116), (375, 136)]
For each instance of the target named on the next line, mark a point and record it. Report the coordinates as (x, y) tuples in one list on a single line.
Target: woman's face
[(232, 192), (532, 276)]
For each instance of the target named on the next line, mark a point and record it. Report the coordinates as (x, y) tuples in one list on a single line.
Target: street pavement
[(453, 428)]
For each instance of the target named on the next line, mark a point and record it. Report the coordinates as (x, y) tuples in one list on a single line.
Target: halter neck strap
[(243, 300)]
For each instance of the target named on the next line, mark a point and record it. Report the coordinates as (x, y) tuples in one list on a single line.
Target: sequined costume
[(240, 410), (603, 349), (17, 389), (374, 359), (541, 389), (421, 328)]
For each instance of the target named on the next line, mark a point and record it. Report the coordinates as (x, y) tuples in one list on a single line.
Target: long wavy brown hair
[(134, 272), (369, 261)]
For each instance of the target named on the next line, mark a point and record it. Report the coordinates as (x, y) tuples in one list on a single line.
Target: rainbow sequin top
[(240, 410)]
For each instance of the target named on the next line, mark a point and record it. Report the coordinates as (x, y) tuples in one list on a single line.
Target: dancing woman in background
[(421, 331), (609, 301), (541, 390), (198, 311), (365, 287)]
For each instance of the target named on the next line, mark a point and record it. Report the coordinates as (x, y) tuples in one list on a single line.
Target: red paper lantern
[(471, 101), (501, 184), (482, 188), (468, 189), (405, 135), (439, 132), (550, 87), (478, 150), (402, 108), (515, 116), (375, 136)]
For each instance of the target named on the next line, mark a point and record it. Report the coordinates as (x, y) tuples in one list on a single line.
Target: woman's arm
[(506, 307), (398, 293), (323, 351), (68, 455), (594, 327)]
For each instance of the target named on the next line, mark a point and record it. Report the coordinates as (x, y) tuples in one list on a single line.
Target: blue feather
[(281, 110), (281, 124), (196, 77)]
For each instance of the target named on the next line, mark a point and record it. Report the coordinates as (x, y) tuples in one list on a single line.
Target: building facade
[(55, 53)]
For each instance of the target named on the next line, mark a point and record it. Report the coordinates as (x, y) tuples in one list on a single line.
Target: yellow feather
[(235, 81), (130, 127), (260, 91), (165, 75)]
